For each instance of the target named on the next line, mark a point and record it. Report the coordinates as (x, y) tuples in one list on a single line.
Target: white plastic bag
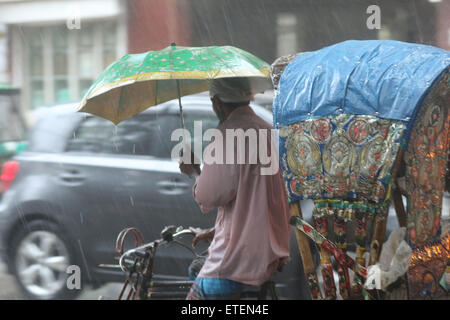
[(394, 261)]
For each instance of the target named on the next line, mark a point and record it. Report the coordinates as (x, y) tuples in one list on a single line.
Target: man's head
[(228, 94)]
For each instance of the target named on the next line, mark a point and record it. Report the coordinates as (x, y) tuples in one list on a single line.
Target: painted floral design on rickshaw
[(426, 158), (347, 156)]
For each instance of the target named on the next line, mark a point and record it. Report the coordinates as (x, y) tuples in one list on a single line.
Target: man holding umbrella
[(251, 234)]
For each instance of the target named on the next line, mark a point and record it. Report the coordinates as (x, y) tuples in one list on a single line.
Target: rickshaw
[(363, 124)]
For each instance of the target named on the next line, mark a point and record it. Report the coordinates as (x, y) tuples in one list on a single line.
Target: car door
[(93, 169)]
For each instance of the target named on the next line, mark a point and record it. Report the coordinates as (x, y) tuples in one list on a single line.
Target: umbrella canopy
[(138, 81), (382, 78)]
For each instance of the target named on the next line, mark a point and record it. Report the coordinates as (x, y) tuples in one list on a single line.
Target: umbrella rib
[(196, 58), (213, 54), (236, 54), (226, 62), (249, 59)]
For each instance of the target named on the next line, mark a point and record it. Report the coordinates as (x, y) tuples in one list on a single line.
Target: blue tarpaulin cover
[(382, 78)]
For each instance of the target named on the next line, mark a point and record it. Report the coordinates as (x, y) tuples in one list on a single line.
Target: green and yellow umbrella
[(138, 81)]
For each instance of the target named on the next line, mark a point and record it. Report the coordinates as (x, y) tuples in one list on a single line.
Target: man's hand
[(202, 234), (191, 169)]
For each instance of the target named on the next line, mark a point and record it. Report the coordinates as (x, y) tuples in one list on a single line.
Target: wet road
[(9, 289)]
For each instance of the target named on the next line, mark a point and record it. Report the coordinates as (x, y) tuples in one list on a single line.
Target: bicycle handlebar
[(184, 231), (168, 235)]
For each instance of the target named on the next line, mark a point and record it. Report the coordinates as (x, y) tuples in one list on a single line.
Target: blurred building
[(52, 50), (3, 53), (270, 28), (57, 48)]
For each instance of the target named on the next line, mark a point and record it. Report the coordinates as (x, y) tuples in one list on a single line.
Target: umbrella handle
[(173, 45), (181, 114), (179, 102)]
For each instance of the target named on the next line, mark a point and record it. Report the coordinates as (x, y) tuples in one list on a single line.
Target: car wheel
[(40, 257)]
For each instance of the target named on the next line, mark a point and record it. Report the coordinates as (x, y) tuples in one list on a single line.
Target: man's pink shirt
[(251, 230)]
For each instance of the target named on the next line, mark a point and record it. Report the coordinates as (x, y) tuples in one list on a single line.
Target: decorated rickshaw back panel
[(343, 113)]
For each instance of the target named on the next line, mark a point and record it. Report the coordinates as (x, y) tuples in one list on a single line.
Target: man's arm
[(202, 234), (216, 186)]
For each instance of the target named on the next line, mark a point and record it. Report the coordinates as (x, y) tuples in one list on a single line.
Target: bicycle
[(138, 264)]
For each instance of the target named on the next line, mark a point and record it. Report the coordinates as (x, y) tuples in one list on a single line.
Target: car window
[(92, 136), (143, 135), (51, 133)]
